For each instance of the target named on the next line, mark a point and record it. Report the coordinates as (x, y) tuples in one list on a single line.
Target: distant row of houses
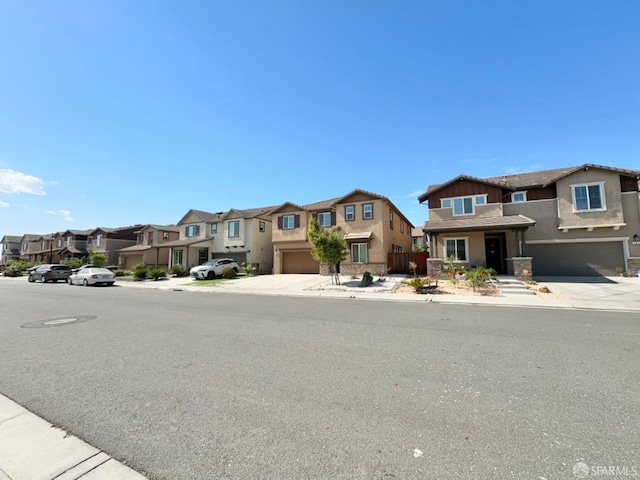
[(582, 220), (273, 238)]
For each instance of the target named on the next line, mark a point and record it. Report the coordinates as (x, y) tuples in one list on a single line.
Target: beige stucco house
[(10, 247), (108, 241), (370, 223), (241, 234), (150, 247), (582, 220), (29, 246)]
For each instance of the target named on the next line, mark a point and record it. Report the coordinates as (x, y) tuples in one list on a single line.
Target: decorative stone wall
[(435, 267), (375, 269), (633, 265), (516, 265)]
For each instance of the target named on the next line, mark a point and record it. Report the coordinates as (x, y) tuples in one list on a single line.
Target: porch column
[(434, 245), (523, 249)]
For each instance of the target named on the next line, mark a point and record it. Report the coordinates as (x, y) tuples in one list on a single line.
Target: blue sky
[(115, 113)]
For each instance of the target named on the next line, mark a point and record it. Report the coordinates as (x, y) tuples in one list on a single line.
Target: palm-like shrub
[(229, 272), (140, 271), (157, 273)]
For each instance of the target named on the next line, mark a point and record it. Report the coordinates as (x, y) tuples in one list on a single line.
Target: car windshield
[(210, 263)]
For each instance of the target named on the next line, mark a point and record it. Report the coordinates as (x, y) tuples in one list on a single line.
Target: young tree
[(97, 258), (328, 247)]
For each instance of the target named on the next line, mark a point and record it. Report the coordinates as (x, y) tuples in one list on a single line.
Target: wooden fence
[(399, 262)]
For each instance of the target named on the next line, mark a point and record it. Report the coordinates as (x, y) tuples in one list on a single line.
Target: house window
[(59, 243), (288, 222), (234, 228), (414, 241), (150, 238), (214, 228), (445, 203), (358, 253), (141, 239), (90, 240), (464, 205), (261, 226), (192, 231), (69, 238), (457, 247), (25, 246), (391, 219), (349, 213), (324, 219), (165, 235), (588, 197), (43, 245), (519, 197), (367, 211), (401, 226), (99, 240), (177, 257), (481, 200)]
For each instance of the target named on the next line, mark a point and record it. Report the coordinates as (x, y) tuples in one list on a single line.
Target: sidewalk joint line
[(79, 463)]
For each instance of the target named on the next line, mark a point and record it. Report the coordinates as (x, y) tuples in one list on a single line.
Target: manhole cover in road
[(59, 322)]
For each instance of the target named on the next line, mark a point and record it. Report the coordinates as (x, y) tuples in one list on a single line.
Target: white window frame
[(513, 197), (151, 238), (99, 240), (366, 253), (90, 240), (141, 239), (451, 203), (59, 243), (177, 257), (288, 222), (365, 211), (232, 233), (43, 245), (214, 228), (25, 246), (586, 186), (165, 235), (324, 216), (456, 240), (262, 226), (350, 213), (69, 238)]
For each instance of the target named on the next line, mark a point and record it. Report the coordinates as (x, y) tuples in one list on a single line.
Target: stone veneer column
[(521, 263), (633, 266), (435, 267)]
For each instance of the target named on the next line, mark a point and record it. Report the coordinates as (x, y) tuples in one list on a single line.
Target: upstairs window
[(463, 205), (324, 219), (99, 240), (43, 245), (59, 243), (25, 246), (367, 211), (349, 213), (192, 231), (517, 197), (141, 239), (288, 222), (165, 235), (89, 240), (69, 240), (150, 238), (234, 228), (262, 226), (588, 197), (214, 228), (391, 219)]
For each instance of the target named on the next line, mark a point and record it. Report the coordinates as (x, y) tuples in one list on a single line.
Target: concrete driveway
[(597, 292)]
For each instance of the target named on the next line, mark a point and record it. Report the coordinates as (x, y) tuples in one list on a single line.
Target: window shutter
[(280, 222), (296, 221), (333, 218)]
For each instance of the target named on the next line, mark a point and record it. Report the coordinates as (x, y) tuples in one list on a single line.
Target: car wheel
[(44, 279), (235, 269), (69, 281), (30, 279), (85, 283), (211, 275), (110, 284)]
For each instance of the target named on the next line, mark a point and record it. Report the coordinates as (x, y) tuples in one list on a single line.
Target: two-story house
[(10, 245), (244, 235), (28, 246), (107, 241), (582, 220), (44, 250), (371, 224), (150, 246), (73, 244)]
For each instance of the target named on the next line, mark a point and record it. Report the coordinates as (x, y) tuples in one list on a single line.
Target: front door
[(202, 256), (495, 248)]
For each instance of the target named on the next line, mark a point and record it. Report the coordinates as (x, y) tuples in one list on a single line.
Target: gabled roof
[(286, 204), (256, 212), (78, 232), (324, 204), (364, 192), (163, 228), (206, 217), (10, 239), (542, 178), (29, 237)]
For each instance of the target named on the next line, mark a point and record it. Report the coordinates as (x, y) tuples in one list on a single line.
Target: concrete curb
[(33, 449)]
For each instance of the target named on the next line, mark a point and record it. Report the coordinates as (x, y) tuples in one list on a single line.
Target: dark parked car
[(49, 273)]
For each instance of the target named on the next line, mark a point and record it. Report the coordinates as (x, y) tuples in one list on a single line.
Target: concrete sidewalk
[(613, 295), (33, 449)]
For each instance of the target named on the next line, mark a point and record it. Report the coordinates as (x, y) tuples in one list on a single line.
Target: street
[(183, 385)]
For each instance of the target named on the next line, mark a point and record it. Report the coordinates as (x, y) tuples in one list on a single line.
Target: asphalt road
[(184, 385)]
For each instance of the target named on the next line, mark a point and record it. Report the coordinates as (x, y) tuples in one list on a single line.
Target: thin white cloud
[(415, 193), (17, 182), (513, 169), (65, 213), (4, 204)]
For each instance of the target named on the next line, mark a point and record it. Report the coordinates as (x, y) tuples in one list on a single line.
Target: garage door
[(299, 262), (576, 259)]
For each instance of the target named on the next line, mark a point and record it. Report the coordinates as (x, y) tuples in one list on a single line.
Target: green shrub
[(249, 270), (367, 279), (140, 271), (479, 276), (20, 265), (72, 262), (418, 284), (229, 272), (119, 272), (12, 271), (178, 270), (157, 273)]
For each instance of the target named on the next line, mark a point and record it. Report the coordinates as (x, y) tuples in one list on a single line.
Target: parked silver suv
[(213, 268)]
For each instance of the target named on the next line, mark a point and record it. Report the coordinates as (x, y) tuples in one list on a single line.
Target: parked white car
[(92, 276), (213, 268)]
